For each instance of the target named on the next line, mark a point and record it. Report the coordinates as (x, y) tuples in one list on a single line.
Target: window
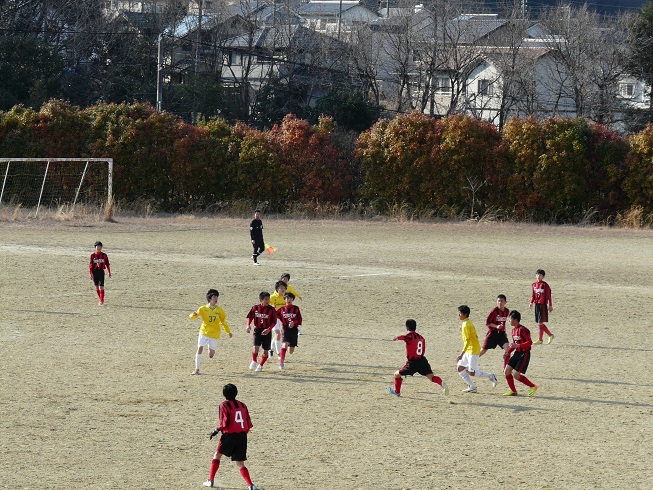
[(484, 87), (442, 85), (627, 90)]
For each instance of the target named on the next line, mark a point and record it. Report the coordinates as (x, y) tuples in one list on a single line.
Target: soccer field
[(103, 397)]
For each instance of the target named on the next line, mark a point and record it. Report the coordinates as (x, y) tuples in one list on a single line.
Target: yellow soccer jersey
[(471, 344), (290, 289), (277, 300), (212, 318)]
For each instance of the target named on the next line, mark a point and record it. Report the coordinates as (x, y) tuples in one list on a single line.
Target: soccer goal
[(36, 182)]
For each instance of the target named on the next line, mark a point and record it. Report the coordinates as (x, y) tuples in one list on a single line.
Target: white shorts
[(278, 327), (203, 340), (469, 362)]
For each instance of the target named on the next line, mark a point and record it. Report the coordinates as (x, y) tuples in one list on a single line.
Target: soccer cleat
[(510, 393), (445, 388), (208, 483), (270, 353), (299, 331), (550, 339), (392, 391), (493, 378), (252, 487), (532, 391), (256, 263), (537, 342), (282, 366), (259, 368), (470, 389), (101, 303), (252, 364), (195, 372)]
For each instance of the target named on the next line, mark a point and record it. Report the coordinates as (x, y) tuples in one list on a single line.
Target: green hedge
[(558, 170)]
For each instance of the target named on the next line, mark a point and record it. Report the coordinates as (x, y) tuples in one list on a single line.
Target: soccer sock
[(437, 379), (542, 327), (282, 355), (215, 464), (545, 330), (198, 359), (244, 472), (526, 381), (254, 357), (264, 357), (511, 383), (468, 379), (97, 290), (277, 345), (482, 374), (101, 294), (398, 382)]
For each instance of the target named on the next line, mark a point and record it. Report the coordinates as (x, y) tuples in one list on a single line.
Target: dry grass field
[(102, 397)]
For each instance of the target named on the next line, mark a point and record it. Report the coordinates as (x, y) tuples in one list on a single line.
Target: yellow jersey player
[(213, 320), (277, 301), (468, 359)]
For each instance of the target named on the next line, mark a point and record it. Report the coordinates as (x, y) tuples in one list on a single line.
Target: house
[(334, 16)]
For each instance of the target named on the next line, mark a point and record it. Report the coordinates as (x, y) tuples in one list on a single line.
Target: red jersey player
[(234, 423), (99, 262), (291, 320), (416, 363), (521, 356), (264, 318), (541, 298), (496, 325)]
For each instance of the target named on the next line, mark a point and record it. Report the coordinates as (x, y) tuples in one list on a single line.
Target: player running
[(264, 318), (213, 317), (416, 362), (518, 363), (291, 319), (541, 298), (234, 423), (468, 359)]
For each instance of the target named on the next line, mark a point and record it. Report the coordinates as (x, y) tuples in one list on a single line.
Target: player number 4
[(238, 418)]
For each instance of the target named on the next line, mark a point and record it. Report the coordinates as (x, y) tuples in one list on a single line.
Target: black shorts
[(495, 338), (258, 248), (262, 340), (98, 277), (420, 366), (290, 336), (234, 445), (541, 313), (519, 361)]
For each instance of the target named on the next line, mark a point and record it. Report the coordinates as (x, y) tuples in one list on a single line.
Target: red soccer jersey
[(288, 313), (541, 293), (415, 345), (99, 262), (234, 417), (521, 337), (498, 318), (263, 317)]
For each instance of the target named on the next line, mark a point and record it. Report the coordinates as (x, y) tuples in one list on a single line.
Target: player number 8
[(420, 348)]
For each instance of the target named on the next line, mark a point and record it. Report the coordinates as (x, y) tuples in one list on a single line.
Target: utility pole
[(159, 75), (199, 36)]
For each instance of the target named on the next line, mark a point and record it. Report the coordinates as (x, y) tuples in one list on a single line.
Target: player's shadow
[(598, 381)]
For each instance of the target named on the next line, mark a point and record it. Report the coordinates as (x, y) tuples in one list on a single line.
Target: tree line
[(554, 171), (86, 54)]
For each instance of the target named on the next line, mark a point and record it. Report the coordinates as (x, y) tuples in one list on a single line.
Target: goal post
[(36, 182)]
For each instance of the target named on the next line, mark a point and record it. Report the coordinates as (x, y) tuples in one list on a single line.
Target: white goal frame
[(48, 161)]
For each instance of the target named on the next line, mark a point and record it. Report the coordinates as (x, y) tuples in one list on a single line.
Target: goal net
[(55, 182)]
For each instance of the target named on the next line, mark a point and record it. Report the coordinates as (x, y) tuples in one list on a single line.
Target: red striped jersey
[(498, 318), (288, 313), (234, 417), (521, 336), (99, 261), (415, 345), (541, 293), (262, 317)]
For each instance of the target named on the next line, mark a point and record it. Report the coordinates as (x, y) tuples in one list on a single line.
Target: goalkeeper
[(234, 423)]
